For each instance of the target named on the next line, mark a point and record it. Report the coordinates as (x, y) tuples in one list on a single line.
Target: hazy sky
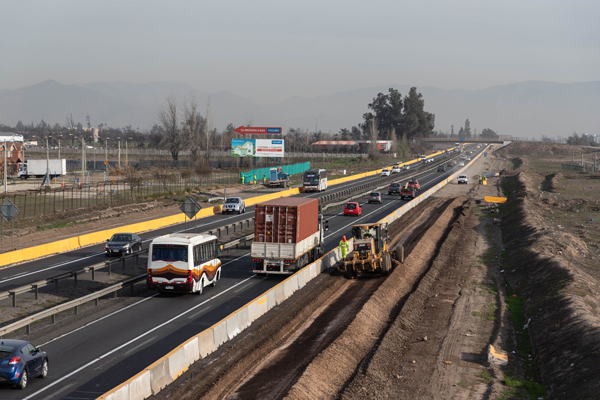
[(271, 50)]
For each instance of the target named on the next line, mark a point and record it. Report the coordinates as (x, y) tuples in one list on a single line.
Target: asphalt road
[(92, 359)]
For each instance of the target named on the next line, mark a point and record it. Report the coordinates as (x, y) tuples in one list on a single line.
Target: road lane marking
[(34, 395), (118, 311)]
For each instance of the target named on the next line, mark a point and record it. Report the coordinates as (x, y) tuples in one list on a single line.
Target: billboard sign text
[(257, 147)]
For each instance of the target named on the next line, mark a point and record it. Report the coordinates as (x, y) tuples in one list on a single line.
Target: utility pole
[(126, 152), (106, 154), (119, 157), (48, 160), (82, 159), (5, 186)]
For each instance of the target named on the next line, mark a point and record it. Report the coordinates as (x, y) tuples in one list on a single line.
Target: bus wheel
[(214, 283), (199, 292)]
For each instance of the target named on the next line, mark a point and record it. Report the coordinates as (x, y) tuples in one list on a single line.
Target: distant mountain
[(523, 109)]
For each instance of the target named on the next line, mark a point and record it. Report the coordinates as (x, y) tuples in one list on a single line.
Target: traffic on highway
[(102, 349)]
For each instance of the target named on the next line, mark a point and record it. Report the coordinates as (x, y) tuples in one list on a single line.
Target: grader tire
[(385, 264), (349, 273)]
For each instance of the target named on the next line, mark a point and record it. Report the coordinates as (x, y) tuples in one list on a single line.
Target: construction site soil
[(424, 332), (523, 277)]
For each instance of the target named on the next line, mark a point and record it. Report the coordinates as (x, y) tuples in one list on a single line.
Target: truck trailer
[(38, 168), (288, 234)]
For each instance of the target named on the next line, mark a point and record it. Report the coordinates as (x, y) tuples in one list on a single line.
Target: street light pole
[(126, 152), (119, 156), (82, 159), (48, 160), (106, 153), (5, 186)]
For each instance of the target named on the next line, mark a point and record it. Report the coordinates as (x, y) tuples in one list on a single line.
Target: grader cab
[(370, 251)]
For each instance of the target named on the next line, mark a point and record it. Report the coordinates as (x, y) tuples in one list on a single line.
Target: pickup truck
[(394, 188), (415, 184), (407, 192)]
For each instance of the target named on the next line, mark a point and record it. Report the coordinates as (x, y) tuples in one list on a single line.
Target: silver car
[(234, 204)]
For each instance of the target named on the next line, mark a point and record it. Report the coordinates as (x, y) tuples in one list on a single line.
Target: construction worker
[(480, 179), (264, 179), (344, 247), (255, 179), (485, 180), (242, 179)]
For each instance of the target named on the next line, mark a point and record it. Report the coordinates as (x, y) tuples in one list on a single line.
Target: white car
[(233, 204), (395, 169), (462, 179), (406, 167), (461, 164), (385, 172)]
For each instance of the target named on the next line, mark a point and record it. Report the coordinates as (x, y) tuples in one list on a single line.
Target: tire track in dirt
[(336, 367)]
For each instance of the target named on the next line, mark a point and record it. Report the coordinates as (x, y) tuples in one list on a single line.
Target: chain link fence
[(113, 192)]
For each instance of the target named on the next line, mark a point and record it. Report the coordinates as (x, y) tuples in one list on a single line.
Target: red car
[(352, 208), (415, 184)]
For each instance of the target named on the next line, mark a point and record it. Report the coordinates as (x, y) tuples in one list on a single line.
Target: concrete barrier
[(172, 365), (159, 375), (140, 387), (220, 332), (237, 322), (177, 365), (206, 343), (191, 351)]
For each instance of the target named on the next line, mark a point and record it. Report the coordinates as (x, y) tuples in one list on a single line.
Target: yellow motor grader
[(370, 253)]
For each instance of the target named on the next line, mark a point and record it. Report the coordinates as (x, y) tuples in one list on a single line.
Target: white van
[(183, 262), (462, 179)]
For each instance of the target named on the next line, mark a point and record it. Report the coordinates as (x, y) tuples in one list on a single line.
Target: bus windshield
[(171, 252)]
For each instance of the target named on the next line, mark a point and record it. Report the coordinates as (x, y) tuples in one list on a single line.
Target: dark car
[(122, 243), (21, 361), (394, 188), (441, 168), (375, 197)]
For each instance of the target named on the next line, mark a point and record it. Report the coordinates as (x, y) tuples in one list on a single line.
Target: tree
[(71, 127), (488, 133), (387, 109), (193, 126), (451, 130), (461, 132), (467, 128), (170, 123), (416, 122)]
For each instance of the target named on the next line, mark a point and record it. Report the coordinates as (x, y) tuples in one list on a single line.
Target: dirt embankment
[(543, 264), (330, 371)]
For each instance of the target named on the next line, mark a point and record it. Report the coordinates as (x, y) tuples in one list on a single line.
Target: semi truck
[(38, 168), (288, 234)]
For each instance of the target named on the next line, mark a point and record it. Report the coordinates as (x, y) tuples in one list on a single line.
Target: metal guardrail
[(74, 304), (113, 289), (106, 264), (377, 184)]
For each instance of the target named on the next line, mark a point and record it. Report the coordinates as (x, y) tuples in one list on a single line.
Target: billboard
[(257, 147)]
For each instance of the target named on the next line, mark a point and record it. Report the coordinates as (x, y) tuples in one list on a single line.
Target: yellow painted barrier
[(44, 250), (491, 199)]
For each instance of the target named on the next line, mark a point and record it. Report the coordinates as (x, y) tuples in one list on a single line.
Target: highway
[(89, 360)]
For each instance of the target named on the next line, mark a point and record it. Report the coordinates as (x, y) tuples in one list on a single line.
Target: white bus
[(183, 262), (314, 179)]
